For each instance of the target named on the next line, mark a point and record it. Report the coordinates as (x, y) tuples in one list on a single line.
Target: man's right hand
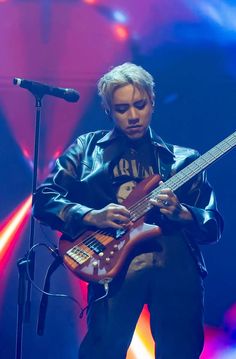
[(112, 216)]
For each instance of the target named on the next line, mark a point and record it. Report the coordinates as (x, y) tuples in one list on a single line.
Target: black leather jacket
[(81, 181)]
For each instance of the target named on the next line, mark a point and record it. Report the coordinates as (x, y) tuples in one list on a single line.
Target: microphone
[(37, 88)]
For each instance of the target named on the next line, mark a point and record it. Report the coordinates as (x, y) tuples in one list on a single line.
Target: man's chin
[(135, 137), (135, 134)]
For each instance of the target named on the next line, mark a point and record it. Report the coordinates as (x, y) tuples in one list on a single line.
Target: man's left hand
[(171, 207)]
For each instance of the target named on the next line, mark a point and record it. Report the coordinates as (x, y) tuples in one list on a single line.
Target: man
[(87, 187)]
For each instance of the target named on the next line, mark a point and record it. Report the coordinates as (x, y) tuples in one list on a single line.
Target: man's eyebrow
[(142, 99), (128, 104), (121, 104)]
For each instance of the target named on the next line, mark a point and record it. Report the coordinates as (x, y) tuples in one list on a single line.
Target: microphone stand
[(24, 284)]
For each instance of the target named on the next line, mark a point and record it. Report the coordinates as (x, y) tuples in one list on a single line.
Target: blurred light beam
[(220, 12), (12, 225), (139, 349)]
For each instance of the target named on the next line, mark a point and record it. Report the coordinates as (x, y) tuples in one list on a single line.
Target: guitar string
[(140, 207), (137, 209)]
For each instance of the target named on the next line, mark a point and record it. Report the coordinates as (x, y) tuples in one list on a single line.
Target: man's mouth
[(133, 127)]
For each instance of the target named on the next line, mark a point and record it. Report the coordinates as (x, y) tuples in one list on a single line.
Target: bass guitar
[(99, 255)]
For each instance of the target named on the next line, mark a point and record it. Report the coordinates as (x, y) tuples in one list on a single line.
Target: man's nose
[(133, 117)]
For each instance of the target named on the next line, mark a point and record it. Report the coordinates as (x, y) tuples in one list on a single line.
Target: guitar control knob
[(112, 253), (115, 246), (101, 254), (108, 259), (95, 263)]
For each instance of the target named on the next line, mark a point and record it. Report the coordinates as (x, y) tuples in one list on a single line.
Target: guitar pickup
[(96, 246)]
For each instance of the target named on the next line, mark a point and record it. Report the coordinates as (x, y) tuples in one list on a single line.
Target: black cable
[(58, 260)]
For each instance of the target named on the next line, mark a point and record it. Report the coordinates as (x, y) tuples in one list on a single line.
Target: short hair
[(119, 76)]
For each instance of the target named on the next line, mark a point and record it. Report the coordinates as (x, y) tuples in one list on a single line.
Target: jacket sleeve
[(54, 202), (200, 200)]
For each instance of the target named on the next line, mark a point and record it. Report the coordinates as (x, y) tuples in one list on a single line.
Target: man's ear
[(153, 100), (108, 113)]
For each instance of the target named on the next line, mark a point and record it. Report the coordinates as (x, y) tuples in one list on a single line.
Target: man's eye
[(140, 105), (121, 109)]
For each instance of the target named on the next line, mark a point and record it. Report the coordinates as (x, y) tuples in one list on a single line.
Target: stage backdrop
[(190, 48)]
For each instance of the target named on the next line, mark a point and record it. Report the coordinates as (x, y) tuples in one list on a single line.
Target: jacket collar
[(155, 140)]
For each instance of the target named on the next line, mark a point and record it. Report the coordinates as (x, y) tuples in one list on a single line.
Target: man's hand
[(112, 216), (171, 207)]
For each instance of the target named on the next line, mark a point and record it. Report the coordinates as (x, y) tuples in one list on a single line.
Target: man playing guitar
[(100, 187)]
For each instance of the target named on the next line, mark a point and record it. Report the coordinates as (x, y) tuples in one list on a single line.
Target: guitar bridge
[(78, 255)]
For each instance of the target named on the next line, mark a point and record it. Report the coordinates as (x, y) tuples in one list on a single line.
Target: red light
[(25, 151), (13, 225), (91, 2), (10, 231), (57, 153), (121, 32)]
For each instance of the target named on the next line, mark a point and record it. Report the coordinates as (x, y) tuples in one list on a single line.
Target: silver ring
[(166, 203)]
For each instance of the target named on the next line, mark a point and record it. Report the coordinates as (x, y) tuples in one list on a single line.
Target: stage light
[(27, 156), (219, 12), (57, 153), (142, 345), (121, 32), (227, 354), (26, 153), (13, 225), (90, 2), (139, 349), (119, 17), (230, 322)]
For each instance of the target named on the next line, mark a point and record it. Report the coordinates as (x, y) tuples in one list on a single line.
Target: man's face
[(131, 111)]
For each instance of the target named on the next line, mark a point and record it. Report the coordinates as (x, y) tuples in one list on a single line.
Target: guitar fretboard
[(183, 176)]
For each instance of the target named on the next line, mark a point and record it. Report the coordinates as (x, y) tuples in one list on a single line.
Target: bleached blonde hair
[(127, 73)]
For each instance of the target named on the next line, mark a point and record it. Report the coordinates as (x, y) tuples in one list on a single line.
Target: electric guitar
[(98, 255)]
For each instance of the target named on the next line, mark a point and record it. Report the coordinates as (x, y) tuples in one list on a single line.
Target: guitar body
[(99, 255)]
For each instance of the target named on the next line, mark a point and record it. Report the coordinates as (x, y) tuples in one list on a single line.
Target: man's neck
[(133, 142)]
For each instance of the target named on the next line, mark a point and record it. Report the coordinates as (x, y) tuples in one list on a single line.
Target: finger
[(165, 200), (160, 203), (153, 201), (115, 207), (162, 197), (128, 225), (168, 196), (166, 211), (114, 225), (122, 211), (118, 218), (167, 191)]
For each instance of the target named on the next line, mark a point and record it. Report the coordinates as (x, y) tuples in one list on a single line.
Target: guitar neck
[(201, 163), (187, 173)]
